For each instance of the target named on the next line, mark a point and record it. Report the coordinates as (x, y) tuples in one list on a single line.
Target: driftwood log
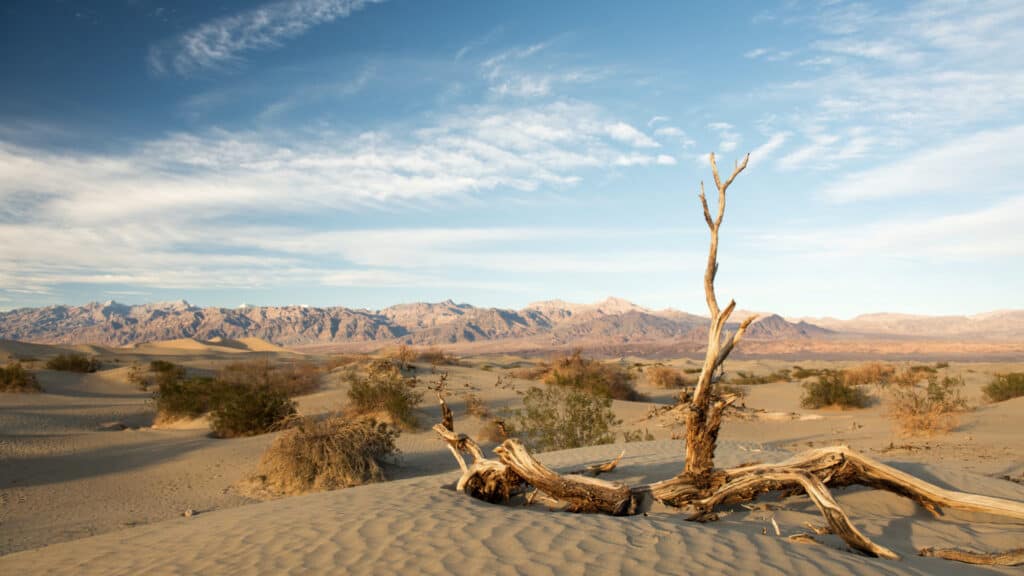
[(700, 487)]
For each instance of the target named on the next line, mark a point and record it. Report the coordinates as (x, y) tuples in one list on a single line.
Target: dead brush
[(931, 410), (318, 454), (475, 405)]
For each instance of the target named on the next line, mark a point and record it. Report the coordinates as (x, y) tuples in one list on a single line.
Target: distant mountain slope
[(612, 320), (1000, 324)]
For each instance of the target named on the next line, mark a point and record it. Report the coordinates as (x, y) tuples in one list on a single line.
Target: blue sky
[(329, 152)]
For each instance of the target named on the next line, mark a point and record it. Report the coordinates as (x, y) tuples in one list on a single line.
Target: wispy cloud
[(729, 139), (225, 40), (625, 133), (987, 161)]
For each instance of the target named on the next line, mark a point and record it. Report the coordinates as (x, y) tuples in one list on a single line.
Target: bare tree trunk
[(705, 417)]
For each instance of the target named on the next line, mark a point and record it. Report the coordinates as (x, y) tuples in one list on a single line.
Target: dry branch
[(1011, 558)]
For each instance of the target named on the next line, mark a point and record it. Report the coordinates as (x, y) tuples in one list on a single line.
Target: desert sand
[(88, 486)]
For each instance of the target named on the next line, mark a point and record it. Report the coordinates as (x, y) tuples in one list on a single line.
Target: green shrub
[(557, 417), (1005, 387), (179, 397), (832, 390), (607, 380), (925, 410), (247, 410), (73, 363), (327, 454), (665, 377), (14, 378), (384, 389), (161, 366)]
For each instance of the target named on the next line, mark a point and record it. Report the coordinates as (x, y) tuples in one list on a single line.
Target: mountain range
[(611, 323)]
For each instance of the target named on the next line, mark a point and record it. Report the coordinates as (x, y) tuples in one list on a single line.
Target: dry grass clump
[(559, 417), (73, 363), (438, 357), (326, 454), (342, 361), (749, 378), (385, 389), (607, 380), (931, 409), (14, 378), (666, 377), (875, 373), (831, 389), (1004, 387), (492, 431)]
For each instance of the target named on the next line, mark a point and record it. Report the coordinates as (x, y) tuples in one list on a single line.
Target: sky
[(366, 153)]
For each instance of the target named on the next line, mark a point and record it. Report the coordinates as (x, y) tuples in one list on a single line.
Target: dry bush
[(749, 378), (557, 417), (336, 361), (475, 405), (73, 363), (637, 435), (608, 380), (666, 377), (14, 378), (294, 378), (800, 373), (384, 389), (831, 389), (875, 373), (530, 371), (931, 409), (438, 357), (492, 431), (326, 454), (1004, 387)]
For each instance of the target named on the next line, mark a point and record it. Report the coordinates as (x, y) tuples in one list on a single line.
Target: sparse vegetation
[(385, 390), (160, 366), (1004, 387), (831, 389), (438, 357), (872, 373), (72, 362), (250, 409), (559, 417), (475, 406), (530, 371), (294, 379), (931, 409), (637, 435), (179, 397), (749, 378), (327, 454), (666, 377), (14, 378), (598, 378)]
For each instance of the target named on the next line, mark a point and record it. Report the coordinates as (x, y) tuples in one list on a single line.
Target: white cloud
[(625, 133), (729, 138), (656, 119), (816, 151), (666, 160), (987, 161), (224, 40), (755, 53), (764, 151)]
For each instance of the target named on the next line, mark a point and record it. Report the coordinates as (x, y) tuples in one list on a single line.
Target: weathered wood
[(581, 493), (1010, 558)]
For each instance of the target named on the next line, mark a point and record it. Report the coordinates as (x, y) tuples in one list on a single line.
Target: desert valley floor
[(88, 485)]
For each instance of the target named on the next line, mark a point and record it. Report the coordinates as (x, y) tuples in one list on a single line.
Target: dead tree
[(700, 487)]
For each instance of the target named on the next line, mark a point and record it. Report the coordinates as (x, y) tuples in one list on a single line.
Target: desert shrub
[(384, 389), (922, 368), (438, 357), (1004, 387), (475, 405), (637, 435), (403, 356), (726, 388), (492, 431), (693, 370), (342, 360), (294, 379), (875, 373), (749, 378), (14, 378), (941, 365), (73, 363), (530, 372), (608, 380), (179, 397), (327, 453), (800, 373), (665, 377), (832, 390), (161, 366), (140, 376), (930, 409), (557, 417), (249, 409)]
